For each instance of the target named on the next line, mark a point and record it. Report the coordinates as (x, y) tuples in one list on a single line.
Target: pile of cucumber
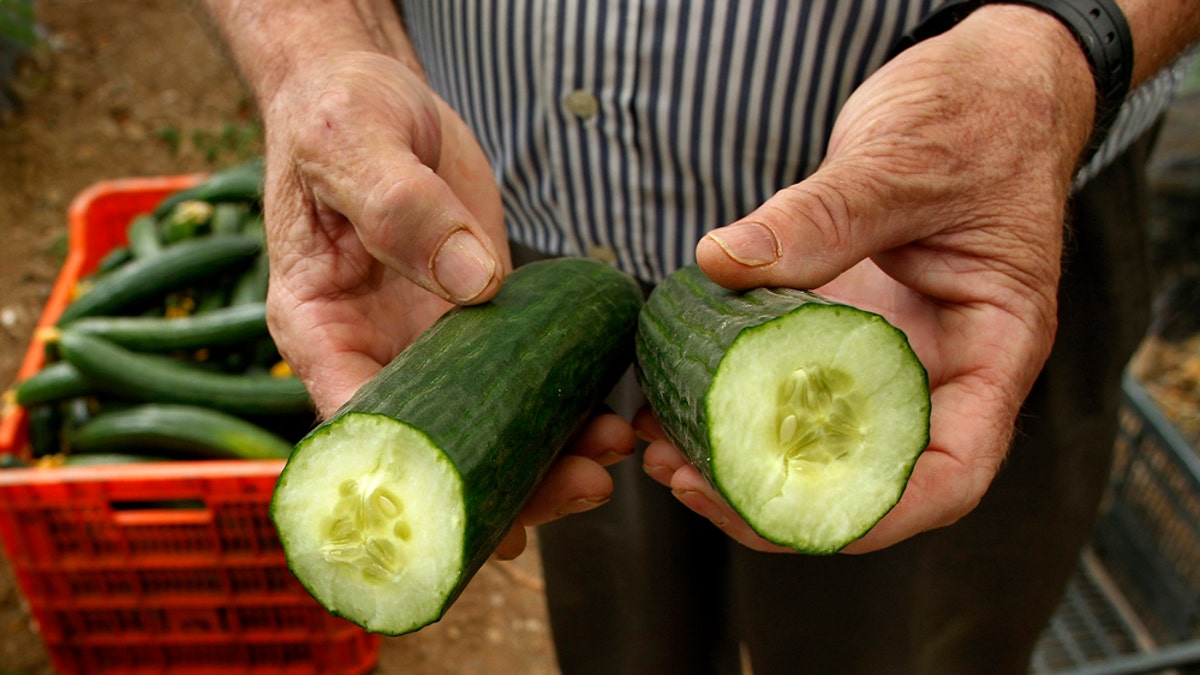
[(163, 351)]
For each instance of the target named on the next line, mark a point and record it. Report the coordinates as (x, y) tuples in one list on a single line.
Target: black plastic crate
[(1134, 604), (1148, 536), (1092, 624)]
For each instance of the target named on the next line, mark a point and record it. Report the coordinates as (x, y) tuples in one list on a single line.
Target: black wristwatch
[(1098, 25)]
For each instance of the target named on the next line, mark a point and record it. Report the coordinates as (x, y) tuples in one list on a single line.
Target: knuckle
[(823, 221)]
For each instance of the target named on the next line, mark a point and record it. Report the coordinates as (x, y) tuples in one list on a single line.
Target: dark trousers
[(644, 586)]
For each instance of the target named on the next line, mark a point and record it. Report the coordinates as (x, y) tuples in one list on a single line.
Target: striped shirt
[(626, 129)]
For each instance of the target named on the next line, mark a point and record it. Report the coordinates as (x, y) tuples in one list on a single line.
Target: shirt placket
[(587, 78)]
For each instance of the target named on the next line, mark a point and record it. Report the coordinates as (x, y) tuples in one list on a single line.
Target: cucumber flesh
[(388, 511), (816, 419)]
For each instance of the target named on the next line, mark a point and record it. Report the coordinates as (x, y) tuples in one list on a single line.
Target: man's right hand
[(381, 211)]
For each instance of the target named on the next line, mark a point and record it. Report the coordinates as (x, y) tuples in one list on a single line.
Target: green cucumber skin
[(143, 237), (45, 429), (241, 183), (684, 330), (55, 382), (251, 286), (218, 327), (113, 260), (176, 430), (227, 217), (500, 387), (146, 279), (153, 377)]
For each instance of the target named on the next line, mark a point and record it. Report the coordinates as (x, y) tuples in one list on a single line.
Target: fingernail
[(654, 471), (462, 267), (580, 505), (613, 456), (751, 244)]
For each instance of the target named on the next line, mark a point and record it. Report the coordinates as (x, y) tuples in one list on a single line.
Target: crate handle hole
[(160, 512)]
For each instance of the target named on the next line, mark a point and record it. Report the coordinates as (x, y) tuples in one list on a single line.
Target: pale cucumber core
[(815, 421), (376, 531)]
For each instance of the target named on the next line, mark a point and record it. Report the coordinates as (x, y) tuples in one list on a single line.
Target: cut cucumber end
[(816, 421), (370, 513)]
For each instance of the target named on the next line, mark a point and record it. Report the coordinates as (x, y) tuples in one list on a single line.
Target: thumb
[(407, 217), (805, 235)]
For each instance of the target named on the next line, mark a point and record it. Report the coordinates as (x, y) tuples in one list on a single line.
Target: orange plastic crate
[(167, 567)]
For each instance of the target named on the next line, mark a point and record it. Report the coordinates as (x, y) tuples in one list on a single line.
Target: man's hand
[(940, 205), (381, 212)]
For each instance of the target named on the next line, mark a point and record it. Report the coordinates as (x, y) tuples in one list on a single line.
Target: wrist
[(1037, 43), (1097, 27), (1035, 62), (301, 35)]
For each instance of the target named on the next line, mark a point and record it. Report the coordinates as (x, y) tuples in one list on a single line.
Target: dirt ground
[(137, 88)]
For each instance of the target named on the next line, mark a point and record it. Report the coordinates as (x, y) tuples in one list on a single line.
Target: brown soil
[(136, 88)]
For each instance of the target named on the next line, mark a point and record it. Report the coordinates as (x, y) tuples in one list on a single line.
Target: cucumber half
[(806, 415), (387, 509)]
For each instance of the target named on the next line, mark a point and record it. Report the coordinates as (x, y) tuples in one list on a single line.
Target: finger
[(409, 219), (381, 173), (690, 488), (513, 543), (661, 460), (606, 440), (573, 485), (646, 425), (805, 235)]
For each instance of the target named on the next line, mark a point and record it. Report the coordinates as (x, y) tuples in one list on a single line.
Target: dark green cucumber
[(55, 382), (158, 378), (141, 281), (170, 430), (142, 233), (251, 286), (238, 325), (228, 217), (187, 220), (213, 297), (387, 509), (45, 430), (806, 415), (241, 183), (78, 410), (113, 259)]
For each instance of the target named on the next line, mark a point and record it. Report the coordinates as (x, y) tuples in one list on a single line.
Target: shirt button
[(602, 253), (582, 104)]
